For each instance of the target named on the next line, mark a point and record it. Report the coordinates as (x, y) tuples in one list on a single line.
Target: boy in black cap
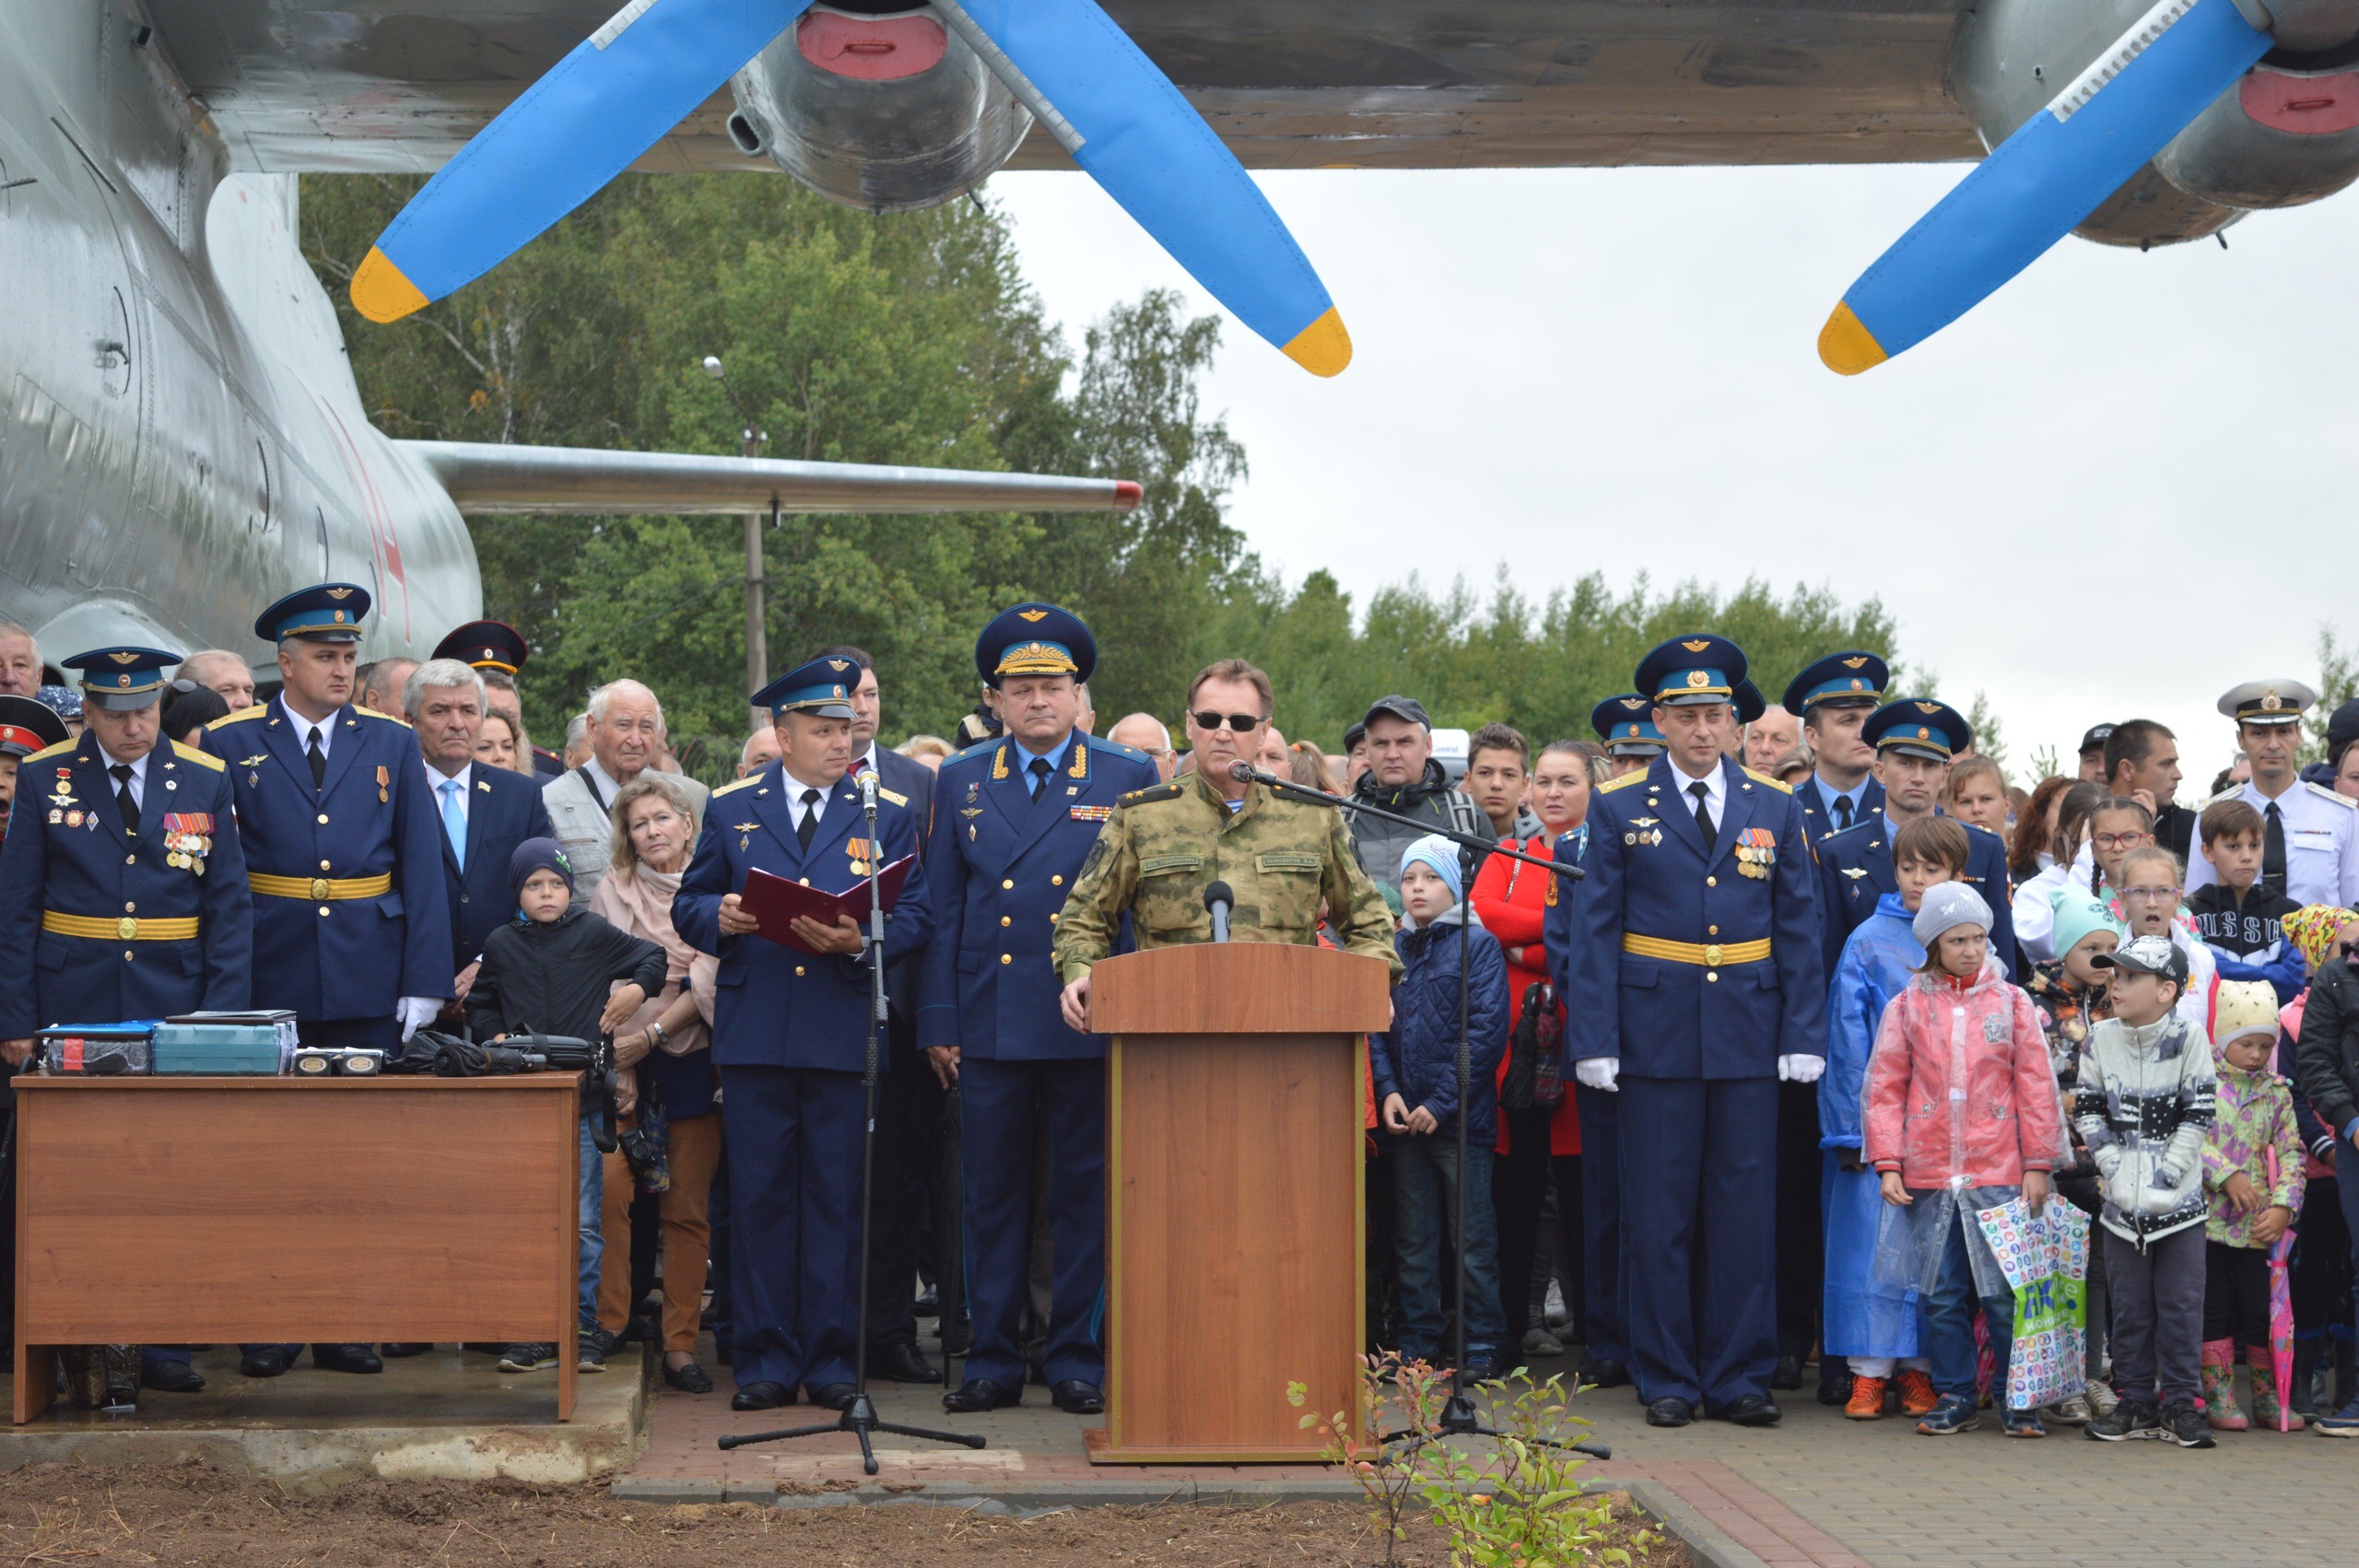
[(553, 970)]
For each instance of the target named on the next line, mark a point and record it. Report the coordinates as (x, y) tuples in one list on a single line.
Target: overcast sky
[(1615, 369)]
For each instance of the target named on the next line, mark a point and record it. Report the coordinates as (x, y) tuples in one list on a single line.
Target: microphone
[(867, 782), (1245, 772), (1219, 898)]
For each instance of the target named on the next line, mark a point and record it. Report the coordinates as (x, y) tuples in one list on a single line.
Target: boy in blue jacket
[(1416, 1067)]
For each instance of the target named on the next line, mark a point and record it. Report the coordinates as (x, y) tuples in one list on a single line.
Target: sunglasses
[(2346, 948), (1238, 723)]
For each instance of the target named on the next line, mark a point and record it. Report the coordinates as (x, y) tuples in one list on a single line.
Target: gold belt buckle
[(1712, 956), (318, 888), (126, 929)]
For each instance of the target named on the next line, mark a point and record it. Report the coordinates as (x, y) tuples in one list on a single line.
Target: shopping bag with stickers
[(2045, 1258)]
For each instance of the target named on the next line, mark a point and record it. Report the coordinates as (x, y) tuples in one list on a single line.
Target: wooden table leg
[(34, 1389)]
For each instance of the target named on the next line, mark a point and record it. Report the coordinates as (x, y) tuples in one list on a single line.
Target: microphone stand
[(859, 1418), (1459, 1417)]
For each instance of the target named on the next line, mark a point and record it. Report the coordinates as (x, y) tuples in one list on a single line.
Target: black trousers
[(1802, 1261), (2235, 1294), (1519, 1196), (905, 1163), (2320, 1276)]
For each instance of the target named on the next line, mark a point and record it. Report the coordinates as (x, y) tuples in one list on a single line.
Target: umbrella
[(2281, 1313)]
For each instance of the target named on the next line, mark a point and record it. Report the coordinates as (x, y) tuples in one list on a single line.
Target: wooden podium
[(1234, 1204), (215, 1211)]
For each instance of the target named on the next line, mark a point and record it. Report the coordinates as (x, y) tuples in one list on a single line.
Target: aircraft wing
[(485, 479), (398, 86)]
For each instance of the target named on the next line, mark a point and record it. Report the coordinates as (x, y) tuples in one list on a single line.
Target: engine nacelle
[(881, 109), (2282, 137)]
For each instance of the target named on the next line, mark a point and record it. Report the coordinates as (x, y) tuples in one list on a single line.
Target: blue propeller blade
[(1130, 129), (2049, 175), (555, 147)]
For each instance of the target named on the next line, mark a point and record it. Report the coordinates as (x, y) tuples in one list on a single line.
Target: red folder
[(778, 901)]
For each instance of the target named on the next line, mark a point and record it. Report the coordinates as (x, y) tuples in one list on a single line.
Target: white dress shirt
[(139, 773), (2321, 843), (796, 807), (1716, 787), (305, 729), (465, 779)]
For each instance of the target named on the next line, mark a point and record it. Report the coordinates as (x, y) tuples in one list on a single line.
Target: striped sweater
[(2144, 1104)]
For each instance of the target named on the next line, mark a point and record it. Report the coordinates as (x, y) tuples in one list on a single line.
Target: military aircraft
[(180, 438)]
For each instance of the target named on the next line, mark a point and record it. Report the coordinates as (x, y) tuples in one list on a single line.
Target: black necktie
[(810, 823), (2272, 850), (1842, 813), (1039, 770), (319, 761), (1703, 793), (124, 802)]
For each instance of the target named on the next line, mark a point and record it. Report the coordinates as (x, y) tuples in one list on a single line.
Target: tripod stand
[(859, 1418), (1459, 1417)]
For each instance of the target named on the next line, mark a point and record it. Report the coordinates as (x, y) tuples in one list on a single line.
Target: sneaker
[(1540, 1342), (2344, 1423), (2128, 1418), (2101, 1396), (2070, 1411), (2024, 1423), (591, 1347), (1954, 1413), (1867, 1400), (2184, 1424), (529, 1358), (1917, 1394)]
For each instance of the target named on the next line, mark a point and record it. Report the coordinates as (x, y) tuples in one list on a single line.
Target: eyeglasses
[(1238, 723), (2346, 948), (2149, 894), (2117, 840)]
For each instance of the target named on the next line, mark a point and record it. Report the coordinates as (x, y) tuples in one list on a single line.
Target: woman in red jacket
[(1509, 899)]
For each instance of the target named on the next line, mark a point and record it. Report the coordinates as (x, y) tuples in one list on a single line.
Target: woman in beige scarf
[(665, 1053)]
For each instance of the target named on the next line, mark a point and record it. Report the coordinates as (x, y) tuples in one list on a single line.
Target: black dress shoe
[(400, 1348), (689, 1379), (267, 1362), (901, 1363), (981, 1393), (1078, 1397), (1750, 1410), (1670, 1410), (761, 1397), (834, 1396), (1834, 1380), (1786, 1374), (345, 1358), (1605, 1374), (171, 1376)]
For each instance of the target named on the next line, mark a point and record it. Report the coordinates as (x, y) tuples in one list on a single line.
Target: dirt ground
[(72, 1514)]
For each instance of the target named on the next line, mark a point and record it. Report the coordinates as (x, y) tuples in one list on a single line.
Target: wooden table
[(225, 1210)]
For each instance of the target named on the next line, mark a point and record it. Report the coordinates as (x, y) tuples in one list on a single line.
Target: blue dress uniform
[(790, 1030), (1855, 866), (123, 922), (1697, 966), (349, 910), (496, 645), (1606, 1297), (1850, 679), (1002, 854), (1625, 726)]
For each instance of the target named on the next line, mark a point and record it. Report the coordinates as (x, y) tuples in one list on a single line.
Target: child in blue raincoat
[(1875, 1325)]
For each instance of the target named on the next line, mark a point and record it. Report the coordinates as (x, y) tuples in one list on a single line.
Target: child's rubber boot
[(2265, 1405), (1867, 1400), (1917, 1396), (2220, 1411)]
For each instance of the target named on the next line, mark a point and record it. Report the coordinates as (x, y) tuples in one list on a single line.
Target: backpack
[(1535, 1053)]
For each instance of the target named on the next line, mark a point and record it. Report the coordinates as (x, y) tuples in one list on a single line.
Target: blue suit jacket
[(1855, 869), (776, 1006), (1808, 796), (1000, 863), (913, 782), (1651, 875), (346, 958), (88, 866), (503, 810)]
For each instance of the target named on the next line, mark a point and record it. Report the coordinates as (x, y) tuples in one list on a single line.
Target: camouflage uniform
[(1164, 846)]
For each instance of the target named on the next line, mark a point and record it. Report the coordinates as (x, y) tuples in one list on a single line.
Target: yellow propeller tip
[(1846, 346), (1323, 348), (382, 293)]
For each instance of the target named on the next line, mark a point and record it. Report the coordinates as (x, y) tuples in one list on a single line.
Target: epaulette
[(1974, 827), (1779, 784), (372, 713), (2230, 793), (749, 779), (59, 749), (202, 759), (1100, 743), (2338, 800), (1170, 792), (976, 750), (1624, 782), (256, 711)]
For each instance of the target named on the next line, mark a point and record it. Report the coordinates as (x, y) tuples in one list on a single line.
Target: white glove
[(1599, 1072), (415, 1012), (1800, 1068)]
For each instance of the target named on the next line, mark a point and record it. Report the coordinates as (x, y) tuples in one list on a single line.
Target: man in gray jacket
[(1403, 778), (625, 735)]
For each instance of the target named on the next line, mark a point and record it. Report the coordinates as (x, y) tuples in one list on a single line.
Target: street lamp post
[(757, 657)]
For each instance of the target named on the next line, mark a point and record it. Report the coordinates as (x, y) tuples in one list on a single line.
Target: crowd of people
[(1753, 987)]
